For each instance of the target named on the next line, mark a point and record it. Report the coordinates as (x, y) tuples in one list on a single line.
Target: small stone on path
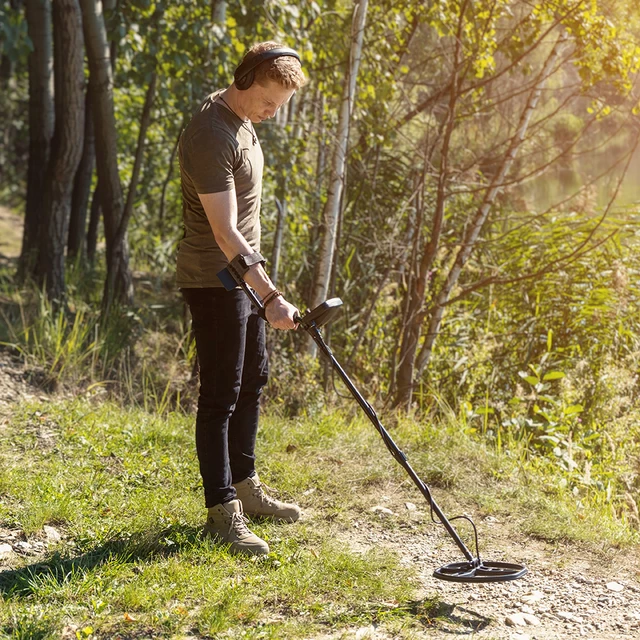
[(383, 511), (5, 549), (530, 619), (615, 586), (565, 615), (53, 535), (410, 506), (532, 597), (521, 620), (365, 632)]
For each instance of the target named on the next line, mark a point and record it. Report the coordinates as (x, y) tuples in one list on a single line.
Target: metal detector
[(473, 569)]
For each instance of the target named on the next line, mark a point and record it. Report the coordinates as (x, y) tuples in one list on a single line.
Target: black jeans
[(232, 354)]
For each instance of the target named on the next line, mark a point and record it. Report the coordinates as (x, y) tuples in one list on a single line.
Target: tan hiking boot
[(227, 523), (258, 503)]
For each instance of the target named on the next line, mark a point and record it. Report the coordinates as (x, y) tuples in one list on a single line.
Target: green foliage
[(540, 226)]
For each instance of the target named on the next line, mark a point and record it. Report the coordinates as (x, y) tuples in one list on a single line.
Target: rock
[(615, 586), (515, 620), (527, 609), (365, 632), (565, 615), (383, 511), (410, 506), (53, 535), (520, 636), (532, 597), (530, 619), (25, 546), (522, 620), (5, 549)]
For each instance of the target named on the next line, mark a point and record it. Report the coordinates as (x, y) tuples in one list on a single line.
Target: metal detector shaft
[(396, 452)]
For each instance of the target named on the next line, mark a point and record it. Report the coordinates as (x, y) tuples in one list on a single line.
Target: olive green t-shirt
[(217, 152)]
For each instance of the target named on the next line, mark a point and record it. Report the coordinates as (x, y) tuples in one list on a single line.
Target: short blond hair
[(285, 70)]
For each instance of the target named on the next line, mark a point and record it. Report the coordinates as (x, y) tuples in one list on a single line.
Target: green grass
[(122, 487)]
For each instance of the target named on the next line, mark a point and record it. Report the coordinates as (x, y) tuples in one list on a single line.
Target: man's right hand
[(280, 314)]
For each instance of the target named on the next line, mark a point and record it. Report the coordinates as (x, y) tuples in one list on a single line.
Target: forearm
[(232, 244), (221, 211)]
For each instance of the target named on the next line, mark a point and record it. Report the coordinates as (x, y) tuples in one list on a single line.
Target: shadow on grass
[(123, 549), (449, 618)]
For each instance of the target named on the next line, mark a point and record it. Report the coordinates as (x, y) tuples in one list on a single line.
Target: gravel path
[(569, 592)]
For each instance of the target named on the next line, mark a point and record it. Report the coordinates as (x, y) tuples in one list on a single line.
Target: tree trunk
[(82, 187), (331, 211), (162, 209), (421, 268), (94, 223), (41, 122), (218, 11), (281, 205), (66, 146), (281, 192), (119, 283), (476, 224)]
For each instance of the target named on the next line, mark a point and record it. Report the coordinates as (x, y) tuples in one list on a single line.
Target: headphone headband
[(244, 74)]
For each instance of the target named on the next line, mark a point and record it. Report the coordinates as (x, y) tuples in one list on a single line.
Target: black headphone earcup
[(245, 82)]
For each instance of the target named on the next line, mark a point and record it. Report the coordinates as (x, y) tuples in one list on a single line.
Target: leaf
[(129, 618), (573, 409), (554, 375)]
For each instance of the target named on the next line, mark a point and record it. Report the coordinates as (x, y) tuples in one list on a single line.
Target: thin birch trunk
[(281, 205), (331, 213)]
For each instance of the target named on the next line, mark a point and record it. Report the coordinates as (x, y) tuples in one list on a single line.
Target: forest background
[(462, 174)]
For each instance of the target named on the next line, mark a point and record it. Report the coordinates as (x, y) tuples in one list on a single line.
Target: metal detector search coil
[(473, 569)]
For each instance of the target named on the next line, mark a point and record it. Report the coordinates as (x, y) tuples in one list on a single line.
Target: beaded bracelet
[(270, 297)]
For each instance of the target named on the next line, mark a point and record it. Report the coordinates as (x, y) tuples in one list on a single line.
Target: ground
[(570, 591)]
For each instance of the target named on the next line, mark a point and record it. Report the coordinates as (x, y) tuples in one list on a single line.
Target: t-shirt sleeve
[(208, 158)]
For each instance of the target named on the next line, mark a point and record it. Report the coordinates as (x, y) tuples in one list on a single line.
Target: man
[(221, 166)]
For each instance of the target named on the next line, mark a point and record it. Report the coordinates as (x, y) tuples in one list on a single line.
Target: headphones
[(244, 74)]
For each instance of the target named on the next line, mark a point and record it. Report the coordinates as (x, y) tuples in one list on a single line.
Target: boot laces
[(260, 493), (239, 524)]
